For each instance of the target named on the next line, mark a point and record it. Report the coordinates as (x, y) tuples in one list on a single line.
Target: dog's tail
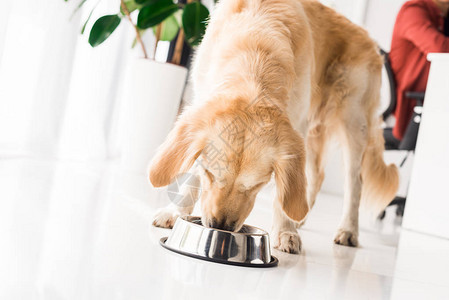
[(380, 182)]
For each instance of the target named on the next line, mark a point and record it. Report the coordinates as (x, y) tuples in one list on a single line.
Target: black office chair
[(408, 143)]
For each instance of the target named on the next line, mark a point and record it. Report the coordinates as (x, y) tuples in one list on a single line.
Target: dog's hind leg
[(354, 140)]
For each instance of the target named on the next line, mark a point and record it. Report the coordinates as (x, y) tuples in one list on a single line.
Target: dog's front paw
[(165, 218), (288, 242), (346, 238)]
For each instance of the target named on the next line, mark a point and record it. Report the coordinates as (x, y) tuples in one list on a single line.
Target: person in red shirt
[(421, 28)]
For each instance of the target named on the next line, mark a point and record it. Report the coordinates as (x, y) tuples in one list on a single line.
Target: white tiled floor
[(82, 231)]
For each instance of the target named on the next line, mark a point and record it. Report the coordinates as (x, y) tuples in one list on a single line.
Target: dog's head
[(238, 148)]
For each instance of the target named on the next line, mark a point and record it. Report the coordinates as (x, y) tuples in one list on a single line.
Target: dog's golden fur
[(288, 75)]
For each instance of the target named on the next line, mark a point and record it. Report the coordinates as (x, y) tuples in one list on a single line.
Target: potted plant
[(153, 90)]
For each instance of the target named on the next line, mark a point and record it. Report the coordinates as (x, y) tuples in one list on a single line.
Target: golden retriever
[(274, 80)]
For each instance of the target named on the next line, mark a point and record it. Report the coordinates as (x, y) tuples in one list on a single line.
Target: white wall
[(380, 18)]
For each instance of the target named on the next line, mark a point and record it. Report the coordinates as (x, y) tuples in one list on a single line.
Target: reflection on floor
[(82, 231)]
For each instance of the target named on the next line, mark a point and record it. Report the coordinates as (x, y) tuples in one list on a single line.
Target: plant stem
[(176, 59), (177, 55), (158, 37), (139, 39)]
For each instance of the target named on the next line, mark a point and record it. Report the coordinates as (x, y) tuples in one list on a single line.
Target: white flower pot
[(152, 96)]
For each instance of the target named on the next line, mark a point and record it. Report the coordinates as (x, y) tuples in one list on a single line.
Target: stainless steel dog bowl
[(250, 247)]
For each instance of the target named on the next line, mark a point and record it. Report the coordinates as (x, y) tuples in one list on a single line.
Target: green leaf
[(194, 22), (169, 29), (178, 16), (146, 2), (155, 13), (102, 29), (131, 5)]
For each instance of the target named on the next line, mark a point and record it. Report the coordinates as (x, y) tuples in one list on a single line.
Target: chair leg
[(400, 210), (400, 202)]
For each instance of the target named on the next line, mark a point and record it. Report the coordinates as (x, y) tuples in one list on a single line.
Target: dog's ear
[(177, 154), (290, 177)]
